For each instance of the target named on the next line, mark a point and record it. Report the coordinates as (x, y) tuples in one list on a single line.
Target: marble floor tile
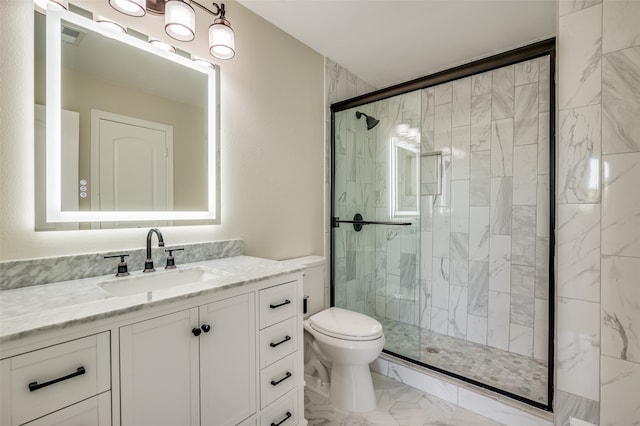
[(517, 374), (398, 405)]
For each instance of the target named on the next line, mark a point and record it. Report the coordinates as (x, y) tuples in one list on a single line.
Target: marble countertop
[(29, 310)]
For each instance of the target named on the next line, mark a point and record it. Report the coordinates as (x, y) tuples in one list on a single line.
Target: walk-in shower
[(443, 220)]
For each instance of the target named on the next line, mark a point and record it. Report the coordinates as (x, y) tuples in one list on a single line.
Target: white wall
[(272, 141)]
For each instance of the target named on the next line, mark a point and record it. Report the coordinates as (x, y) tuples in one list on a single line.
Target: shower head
[(371, 122)]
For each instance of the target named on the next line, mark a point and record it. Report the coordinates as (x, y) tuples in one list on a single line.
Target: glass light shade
[(162, 45), (111, 25), (180, 20), (43, 4), (129, 7), (221, 39)]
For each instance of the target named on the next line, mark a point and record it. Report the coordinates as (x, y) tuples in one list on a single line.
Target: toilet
[(339, 344)]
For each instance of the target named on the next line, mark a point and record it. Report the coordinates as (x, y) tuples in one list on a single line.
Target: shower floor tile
[(517, 374), (398, 404)]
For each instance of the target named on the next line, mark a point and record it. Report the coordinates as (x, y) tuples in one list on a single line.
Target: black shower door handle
[(358, 222)]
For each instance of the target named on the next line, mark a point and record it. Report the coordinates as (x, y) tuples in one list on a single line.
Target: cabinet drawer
[(283, 412), (278, 303), (278, 379), (94, 411), (278, 341), (55, 377)]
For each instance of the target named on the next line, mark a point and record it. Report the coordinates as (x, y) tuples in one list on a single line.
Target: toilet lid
[(346, 325)]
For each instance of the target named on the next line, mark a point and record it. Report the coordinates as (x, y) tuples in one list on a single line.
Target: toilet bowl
[(346, 342), (339, 344)]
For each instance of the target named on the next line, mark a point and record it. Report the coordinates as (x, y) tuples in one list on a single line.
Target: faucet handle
[(122, 265), (171, 262)]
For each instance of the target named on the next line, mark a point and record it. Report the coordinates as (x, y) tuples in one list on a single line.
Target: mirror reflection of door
[(70, 143), (132, 164)]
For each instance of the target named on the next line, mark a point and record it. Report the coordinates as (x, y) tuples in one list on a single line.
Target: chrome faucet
[(148, 263)]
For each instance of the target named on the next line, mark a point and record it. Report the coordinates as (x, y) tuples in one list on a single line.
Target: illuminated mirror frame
[(54, 212)]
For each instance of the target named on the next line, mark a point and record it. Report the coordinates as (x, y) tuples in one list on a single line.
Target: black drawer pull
[(276, 383), (34, 386), (287, 417), (286, 339), (286, 302)]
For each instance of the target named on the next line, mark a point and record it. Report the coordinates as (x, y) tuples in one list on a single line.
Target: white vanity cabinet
[(192, 367), (236, 360), (227, 356)]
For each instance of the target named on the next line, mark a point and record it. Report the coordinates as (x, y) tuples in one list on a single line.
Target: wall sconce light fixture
[(180, 21)]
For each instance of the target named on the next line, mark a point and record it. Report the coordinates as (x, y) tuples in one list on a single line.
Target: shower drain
[(433, 350)]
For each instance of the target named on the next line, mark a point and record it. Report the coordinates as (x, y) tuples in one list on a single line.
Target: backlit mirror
[(405, 178), (130, 129)]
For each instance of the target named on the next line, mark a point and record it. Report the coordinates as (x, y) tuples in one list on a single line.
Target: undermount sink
[(158, 280)]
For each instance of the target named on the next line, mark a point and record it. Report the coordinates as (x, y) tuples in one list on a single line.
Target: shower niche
[(454, 172)]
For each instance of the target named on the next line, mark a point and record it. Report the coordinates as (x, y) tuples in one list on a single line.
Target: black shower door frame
[(532, 51)]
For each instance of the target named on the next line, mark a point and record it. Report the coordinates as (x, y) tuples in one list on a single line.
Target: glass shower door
[(463, 169), (377, 182)]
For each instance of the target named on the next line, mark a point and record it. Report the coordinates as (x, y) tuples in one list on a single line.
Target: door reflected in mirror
[(146, 146)]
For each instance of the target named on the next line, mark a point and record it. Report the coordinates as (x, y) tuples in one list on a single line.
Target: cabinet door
[(94, 411), (228, 361), (159, 374)]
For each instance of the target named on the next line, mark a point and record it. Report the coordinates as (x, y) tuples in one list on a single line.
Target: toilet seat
[(346, 325)]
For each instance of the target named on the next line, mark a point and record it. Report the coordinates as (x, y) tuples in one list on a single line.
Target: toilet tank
[(313, 281)]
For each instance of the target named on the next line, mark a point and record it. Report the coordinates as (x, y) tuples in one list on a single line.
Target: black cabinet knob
[(196, 331), (206, 328)]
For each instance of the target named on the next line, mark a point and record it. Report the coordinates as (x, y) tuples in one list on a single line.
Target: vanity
[(221, 347)]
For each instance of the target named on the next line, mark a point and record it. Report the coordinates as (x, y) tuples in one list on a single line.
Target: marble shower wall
[(354, 286), (397, 248), (485, 240), (376, 269), (355, 174), (598, 317)]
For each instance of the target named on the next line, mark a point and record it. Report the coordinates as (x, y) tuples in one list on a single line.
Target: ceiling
[(385, 42)]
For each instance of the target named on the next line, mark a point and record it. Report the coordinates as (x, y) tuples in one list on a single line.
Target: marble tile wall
[(485, 240), (398, 286), (29, 272), (598, 367), (355, 254), (376, 269)]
